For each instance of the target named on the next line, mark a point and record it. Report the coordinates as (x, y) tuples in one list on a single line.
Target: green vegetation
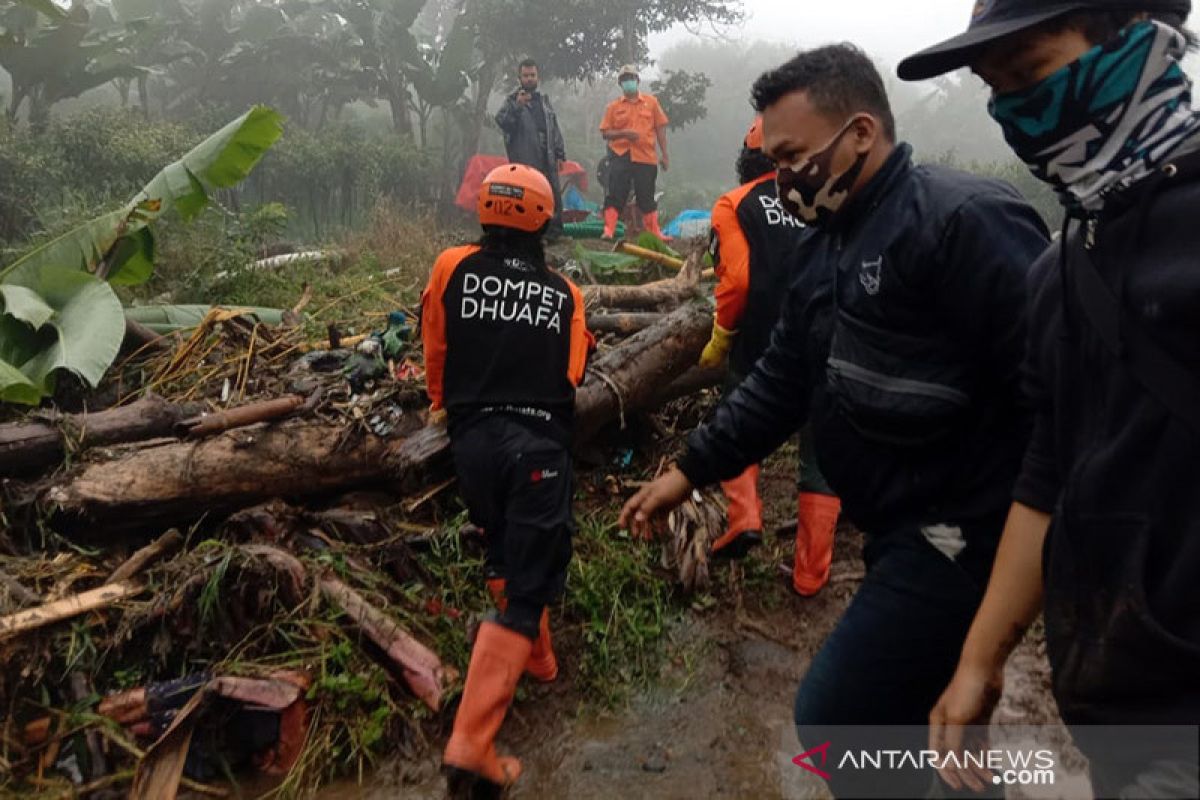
[(59, 309)]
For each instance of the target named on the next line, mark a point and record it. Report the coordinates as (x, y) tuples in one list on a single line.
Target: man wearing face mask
[(1092, 96), (900, 342), (532, 136), (633, 125)]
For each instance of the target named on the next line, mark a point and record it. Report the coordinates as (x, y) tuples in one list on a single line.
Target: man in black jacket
[(531, 134), (901, 342), (1092, 96)]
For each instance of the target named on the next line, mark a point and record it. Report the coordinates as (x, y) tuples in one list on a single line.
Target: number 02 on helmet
[(516, 196)]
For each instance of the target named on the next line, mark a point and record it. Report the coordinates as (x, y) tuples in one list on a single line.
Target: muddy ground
[(717, 722)]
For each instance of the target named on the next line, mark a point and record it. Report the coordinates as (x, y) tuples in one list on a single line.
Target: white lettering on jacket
[(775, 213), (525, 302)]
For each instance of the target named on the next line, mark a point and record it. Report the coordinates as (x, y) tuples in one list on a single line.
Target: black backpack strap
[(1158, 371)]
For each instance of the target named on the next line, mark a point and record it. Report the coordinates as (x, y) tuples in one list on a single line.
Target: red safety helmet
[(515, 196), (754, 140)]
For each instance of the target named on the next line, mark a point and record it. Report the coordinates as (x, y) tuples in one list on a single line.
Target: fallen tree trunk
[(655, 295), (634, 375), (622, 324), (175, 482), (27, 448)]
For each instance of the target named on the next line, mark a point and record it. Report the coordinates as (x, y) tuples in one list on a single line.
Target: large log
[(623, 323), (634, 375), (27, 448), (175, 482), (655, 295)]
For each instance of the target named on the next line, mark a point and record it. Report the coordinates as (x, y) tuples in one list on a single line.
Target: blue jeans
[(895, 648)]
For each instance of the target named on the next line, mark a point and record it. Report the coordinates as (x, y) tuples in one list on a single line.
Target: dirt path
[(718, 721)]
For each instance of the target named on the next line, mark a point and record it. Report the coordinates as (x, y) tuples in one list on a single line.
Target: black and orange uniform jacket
[(753, 245), (503, 336)]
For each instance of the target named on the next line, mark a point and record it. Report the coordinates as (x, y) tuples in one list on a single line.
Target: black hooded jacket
[(1119, 472), (911, 378)]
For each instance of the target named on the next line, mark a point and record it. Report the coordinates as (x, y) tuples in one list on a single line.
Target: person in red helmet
[(753, 245), (505, 348)]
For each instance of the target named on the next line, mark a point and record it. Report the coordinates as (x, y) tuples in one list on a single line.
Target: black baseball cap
[(995, 19)]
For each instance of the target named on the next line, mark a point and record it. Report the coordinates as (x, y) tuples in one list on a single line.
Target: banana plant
[(58, 310), (54, 61)]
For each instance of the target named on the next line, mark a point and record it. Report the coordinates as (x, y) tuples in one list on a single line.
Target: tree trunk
[(27, 448), (397, 94), (623, 324), (630, 36), (182, 481), (144, 95), (483, 92), (633, 375), (666, 293)]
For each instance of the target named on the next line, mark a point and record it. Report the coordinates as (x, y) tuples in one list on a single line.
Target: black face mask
[(810, 191)]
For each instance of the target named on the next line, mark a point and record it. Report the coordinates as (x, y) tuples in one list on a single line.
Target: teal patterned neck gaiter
[(1106, 120)]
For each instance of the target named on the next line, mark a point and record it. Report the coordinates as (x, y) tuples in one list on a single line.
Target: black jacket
[(524, 139), (1120, 474), (502, 336), (911, 379), (752, 243)]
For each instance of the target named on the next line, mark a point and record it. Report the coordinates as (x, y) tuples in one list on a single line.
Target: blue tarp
[(692, 222), (573, 200)]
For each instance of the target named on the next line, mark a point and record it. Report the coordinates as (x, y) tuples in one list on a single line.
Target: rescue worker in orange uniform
[(752, 244), (505, 348), (633, 125)]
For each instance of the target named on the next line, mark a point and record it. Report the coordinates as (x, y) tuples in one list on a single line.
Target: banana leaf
[(122, 236), (56, 318), (171, 318)]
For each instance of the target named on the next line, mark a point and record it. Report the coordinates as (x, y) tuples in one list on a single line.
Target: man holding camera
[(531, 134)]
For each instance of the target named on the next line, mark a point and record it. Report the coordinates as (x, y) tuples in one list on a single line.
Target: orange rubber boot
[(497, 659), (743, 529), (650, 223), (816, 521), (542, 666), (611, 215)]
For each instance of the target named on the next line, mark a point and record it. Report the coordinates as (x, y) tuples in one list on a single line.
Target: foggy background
[(389, 99)]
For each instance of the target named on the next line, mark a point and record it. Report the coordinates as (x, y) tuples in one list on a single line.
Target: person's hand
[(659, 496), (960, 719), (561, 163), (523, 98), (665, 162), (628, 133)]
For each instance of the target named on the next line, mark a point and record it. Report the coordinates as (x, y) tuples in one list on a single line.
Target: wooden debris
[(176, 482), (32, 618), (27, 448), (240, 417), (667, 293), (429, 495), (161, 547), (622, 324), (634, 374), (17, 590), (423, 671)]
